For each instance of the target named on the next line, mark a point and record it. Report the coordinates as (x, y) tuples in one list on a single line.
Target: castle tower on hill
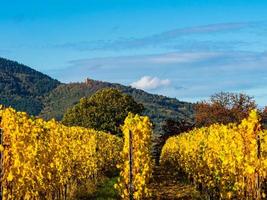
[(88, 81)]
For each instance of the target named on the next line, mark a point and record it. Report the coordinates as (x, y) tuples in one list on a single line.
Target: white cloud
[(150, 83), (200, 73)]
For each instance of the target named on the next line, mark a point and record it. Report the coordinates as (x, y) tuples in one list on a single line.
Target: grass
[(164, 186), (105, 191)]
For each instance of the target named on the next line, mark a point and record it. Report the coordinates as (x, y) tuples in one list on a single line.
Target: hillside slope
[(22, 87), (157, 107), (28, 90)]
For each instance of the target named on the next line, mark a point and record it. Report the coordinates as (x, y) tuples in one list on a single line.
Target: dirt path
[(165, 186)]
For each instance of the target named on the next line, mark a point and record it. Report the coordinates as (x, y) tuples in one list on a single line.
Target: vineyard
[(47, 160), (224, 161)]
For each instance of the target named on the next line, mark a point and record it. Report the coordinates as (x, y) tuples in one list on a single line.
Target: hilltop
[(23, 87), (28, 90)]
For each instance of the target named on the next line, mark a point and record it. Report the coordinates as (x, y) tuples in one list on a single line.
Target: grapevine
[(227, 161), (141, 129), (47, 160)]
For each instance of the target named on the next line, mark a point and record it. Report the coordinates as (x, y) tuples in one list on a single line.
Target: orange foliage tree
[(224, 108), (264, 117)]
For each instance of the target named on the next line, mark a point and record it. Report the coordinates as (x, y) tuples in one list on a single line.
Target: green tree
[(105, 110)]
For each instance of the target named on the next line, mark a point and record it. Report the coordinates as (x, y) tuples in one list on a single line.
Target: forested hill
[(157, 107), (28, 90), (22, 87)]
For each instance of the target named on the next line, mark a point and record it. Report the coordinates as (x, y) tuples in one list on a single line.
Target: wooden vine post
[(131, 188), (258, 178)]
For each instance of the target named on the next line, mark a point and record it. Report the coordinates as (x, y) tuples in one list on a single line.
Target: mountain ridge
[(157, 107), (28, 90), (23, 87)]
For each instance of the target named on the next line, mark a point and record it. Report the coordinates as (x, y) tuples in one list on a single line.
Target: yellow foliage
[(141, 129), (223, 158), (43, 159)]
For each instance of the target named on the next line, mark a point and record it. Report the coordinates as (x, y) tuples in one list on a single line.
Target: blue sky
[(187, 49)]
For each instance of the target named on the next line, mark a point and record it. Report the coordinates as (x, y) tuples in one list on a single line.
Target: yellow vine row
[(227, 161), (47, 160), (141, 129)]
